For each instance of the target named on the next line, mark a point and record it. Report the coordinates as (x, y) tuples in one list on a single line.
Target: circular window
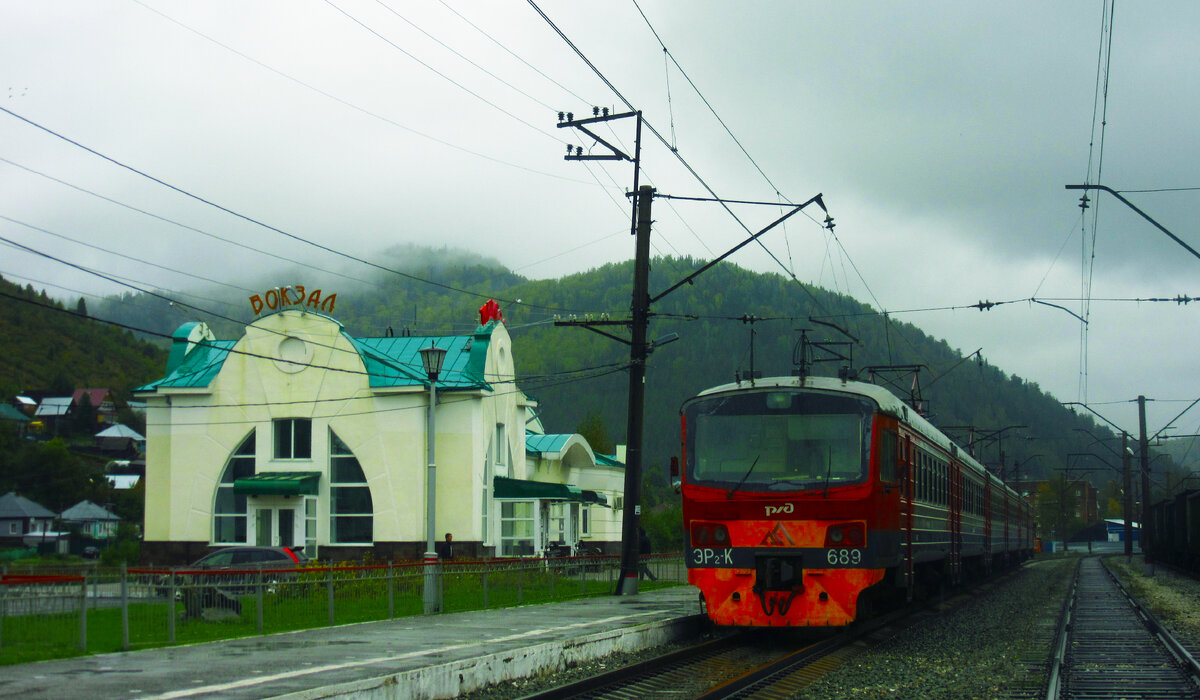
[(294, 355)]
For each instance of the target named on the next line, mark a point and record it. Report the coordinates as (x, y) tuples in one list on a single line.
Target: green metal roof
[(392, 362), (389, 362), (197, 369), (536, 443), (8, 412), (504, 487), (608, 461), (279, 484)]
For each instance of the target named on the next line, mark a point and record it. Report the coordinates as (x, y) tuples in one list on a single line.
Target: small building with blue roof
[(299, 434)]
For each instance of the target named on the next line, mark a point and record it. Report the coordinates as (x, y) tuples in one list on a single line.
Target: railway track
[(1109, 647), (756, 664)]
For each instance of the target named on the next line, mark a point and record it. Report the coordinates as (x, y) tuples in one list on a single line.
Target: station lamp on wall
[(433, 357)]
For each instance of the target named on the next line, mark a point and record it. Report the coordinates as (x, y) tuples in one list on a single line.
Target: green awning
[(279, 484), (505, 487), (593, 497)]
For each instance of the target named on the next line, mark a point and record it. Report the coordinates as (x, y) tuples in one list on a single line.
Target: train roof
[(888, 404)]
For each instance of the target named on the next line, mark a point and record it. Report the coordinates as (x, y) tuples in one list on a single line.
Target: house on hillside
[(20, 517), (52, 414), (101, 400), (298, 433), (25, 404), (120, 439), (15, 417), (92, 520), (124, 474)]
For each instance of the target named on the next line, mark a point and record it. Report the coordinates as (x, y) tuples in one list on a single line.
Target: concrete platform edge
[(454, 678)]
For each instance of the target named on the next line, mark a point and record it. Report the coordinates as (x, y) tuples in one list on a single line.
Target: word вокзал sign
[(281, 297)]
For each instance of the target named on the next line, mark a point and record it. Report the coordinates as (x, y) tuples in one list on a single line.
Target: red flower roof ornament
[(490, 312)]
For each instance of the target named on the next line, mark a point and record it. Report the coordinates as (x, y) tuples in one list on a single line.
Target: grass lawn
[(295, 605)]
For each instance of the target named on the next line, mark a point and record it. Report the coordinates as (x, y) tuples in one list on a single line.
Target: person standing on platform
[(445, 550), (643, 550)]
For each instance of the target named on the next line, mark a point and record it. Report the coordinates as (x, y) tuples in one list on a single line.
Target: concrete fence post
[(124, 606), (171, 606), (259, 600), (391, 590), (330, 592), (83, 613)]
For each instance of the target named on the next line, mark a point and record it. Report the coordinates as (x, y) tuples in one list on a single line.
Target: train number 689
[(843, 557)]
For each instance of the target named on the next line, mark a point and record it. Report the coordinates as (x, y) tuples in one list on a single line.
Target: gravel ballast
[(996, 645), (991, 646)]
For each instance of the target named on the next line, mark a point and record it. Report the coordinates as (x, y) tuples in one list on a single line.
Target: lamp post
[(432, 358)]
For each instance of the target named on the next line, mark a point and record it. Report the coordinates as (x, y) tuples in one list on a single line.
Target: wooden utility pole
[(638, 350), (639, 347)]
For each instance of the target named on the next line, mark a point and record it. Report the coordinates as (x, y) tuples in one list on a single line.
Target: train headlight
[(846, 535), (710, 535)]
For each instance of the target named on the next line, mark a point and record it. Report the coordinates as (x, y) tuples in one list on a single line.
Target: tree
[(83, 416), (595, 431), (1057, 502), (81, 307)]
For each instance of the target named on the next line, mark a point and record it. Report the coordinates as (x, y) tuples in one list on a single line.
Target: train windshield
[(778, 440)]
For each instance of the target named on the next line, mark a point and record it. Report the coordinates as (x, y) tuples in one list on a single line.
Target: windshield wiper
[(828, 469), (747, 476)]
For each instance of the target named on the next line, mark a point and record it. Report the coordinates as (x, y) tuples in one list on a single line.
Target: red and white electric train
[(806, 498)]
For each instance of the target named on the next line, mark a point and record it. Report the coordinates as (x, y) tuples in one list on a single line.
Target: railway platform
[(437, 656)]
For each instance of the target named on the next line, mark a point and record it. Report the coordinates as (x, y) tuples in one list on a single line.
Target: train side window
[(924, 477), (888, 454)]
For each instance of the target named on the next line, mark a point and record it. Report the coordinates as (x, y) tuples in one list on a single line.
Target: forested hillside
[(46, 345), (578, 375)]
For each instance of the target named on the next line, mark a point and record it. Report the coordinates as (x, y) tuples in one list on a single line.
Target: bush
[(126, 549)]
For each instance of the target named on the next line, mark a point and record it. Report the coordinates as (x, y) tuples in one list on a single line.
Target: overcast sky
[(941, 134)]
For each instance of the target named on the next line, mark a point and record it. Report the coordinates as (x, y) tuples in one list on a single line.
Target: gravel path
[(1173, 598)]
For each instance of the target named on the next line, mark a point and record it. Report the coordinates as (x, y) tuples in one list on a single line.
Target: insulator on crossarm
[(561, 116), (604, 111), (829, 222), (1083, 201), (570, 117), (595, 111), (579, 150), (570, 148)]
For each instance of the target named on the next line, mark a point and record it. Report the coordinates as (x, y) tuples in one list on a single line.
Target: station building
[(299, 434)]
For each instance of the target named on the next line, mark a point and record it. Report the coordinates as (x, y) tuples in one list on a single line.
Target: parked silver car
[(244, 563)]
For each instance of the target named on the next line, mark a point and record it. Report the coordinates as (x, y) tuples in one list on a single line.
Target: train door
[(1007, 543), (956, 521), (987, 525), (908, 512)]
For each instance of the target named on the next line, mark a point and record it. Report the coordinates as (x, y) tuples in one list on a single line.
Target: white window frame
[(241, 452), (335, 485), (531, 538), (500, 444), (291, 423)]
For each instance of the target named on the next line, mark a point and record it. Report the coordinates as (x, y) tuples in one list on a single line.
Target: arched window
[(351, 512), (229, 508)]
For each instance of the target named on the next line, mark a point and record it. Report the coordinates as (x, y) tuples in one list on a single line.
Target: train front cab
[(787, 520)]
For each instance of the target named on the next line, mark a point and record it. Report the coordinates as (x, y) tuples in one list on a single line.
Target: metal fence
[(51, 614)]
